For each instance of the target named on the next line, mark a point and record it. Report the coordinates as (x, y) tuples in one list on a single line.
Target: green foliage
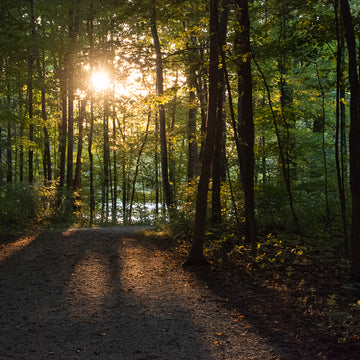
[(17, 207), (23, 207)]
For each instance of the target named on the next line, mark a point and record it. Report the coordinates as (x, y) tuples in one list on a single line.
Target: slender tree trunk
[(21, 154), (47, 154), (340, 124), (91, 162), (327, 206), (172, 164), (157, 192), (162, 121), (115, 194), (90, 28), (281, 150), (46, 150), (1, 155), (30, 94), (122, 128), (69, 63), (218, 160), (138, 164), (9, 177), (196, 254), (354, 136), (106, 160), (63, 128), (80, 139), (202, 94), (193, 155)]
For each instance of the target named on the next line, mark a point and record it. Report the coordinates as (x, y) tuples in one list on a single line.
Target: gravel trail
[(83, 294)]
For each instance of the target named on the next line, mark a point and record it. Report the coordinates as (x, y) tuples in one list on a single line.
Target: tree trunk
[(21, 154), (162, 121), (80, 139), (340, 149), (354, 136), (326, 180), (106, 160), (30, 95), (46, 150), (157, 192), (90, 29), (196, 254), (218, 160), (9, 177), (1, 173), (69, 63), (63, 128), (70, 131), (138, 164), (115, 193), (172, 165), (193, 155), (245, 119)]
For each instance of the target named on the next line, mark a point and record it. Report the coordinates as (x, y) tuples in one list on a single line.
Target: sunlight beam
[(100, 81)]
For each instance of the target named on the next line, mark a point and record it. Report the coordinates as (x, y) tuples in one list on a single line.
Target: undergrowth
[(313, 277)]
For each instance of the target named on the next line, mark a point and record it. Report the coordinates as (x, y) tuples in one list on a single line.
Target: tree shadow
[(293, 334), (63, 297)]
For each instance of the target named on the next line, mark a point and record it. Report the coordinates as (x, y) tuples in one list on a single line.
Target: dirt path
[(104, 294)]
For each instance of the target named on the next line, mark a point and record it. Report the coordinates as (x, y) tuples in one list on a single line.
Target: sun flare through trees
[(111, 111)]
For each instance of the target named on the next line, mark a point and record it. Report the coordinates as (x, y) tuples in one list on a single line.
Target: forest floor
[(112, 294)]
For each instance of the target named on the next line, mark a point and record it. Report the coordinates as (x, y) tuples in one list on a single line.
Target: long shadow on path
[(293, 334), (63, 297)]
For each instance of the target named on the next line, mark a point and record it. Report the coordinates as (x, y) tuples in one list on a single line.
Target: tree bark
[(245, 119), (9, 177), (73, 33), (218, 160), (115, 193), (63, 127), (138, 164), (46, 150), (162, 120), (30, 94), (193, 155), (196, 255), (340, 149), (354, 136), (80, 139), (91, 130), (1, 173), (106, 160)]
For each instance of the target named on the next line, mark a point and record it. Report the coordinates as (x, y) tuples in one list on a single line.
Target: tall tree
[(340, 148), (354, 136), (218, 167), (162, 120), (196, 254), (70, 63), (245, 116), (31, 58), (80, 140)]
